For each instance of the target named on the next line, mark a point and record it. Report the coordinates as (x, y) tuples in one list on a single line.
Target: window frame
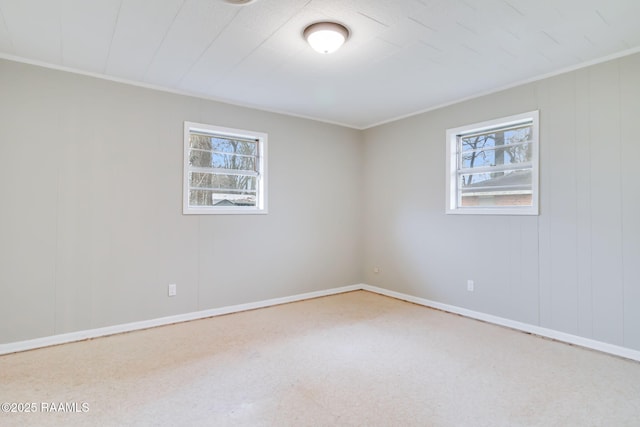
[(261, 166), (452, 165)]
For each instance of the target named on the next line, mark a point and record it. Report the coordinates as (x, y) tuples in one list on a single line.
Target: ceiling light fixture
[(326, 37), (239, 2)]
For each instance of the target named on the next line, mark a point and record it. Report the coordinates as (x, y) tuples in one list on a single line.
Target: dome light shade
[(239, 2), (326, 37)]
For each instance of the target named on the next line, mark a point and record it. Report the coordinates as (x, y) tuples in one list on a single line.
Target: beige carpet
[(350, 359)]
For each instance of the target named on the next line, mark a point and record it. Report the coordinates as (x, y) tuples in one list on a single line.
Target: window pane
[(200, 159), (230, 161), (200, 141), (234, 146), (496, 200), (496, 138), (213, 198), (506, 182), (238, 184), (504, 155), (208, 159), (509, 188), (225, 145)]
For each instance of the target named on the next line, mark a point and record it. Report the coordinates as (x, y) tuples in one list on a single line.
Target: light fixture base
[(238, 2)]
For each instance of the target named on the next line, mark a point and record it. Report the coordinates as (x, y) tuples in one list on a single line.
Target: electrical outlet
[(376, 270), (470, 285), (172, 290)]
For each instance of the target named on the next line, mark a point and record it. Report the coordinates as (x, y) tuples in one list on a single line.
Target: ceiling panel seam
[(164, 37), (115, 28), (204, 51), (4, 22), (274, 32)]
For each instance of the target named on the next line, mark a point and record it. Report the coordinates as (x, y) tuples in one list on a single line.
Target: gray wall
[(91, 224), (576, 267), (91, 229)]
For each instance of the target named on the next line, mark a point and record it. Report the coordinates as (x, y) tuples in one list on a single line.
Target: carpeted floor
[(355, 359)]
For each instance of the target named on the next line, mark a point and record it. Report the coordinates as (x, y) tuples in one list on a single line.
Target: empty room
[(319, 213)]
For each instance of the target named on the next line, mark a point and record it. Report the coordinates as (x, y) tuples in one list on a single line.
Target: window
[(224, 170), (492, 167)]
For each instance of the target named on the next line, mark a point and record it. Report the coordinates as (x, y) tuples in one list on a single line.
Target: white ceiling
[(403, 56)]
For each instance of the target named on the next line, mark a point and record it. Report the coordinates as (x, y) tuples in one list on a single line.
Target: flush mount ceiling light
[(326, 37), (239, 2)]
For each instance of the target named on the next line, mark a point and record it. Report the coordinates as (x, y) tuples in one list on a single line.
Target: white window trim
[(451, 167), (261, 199)]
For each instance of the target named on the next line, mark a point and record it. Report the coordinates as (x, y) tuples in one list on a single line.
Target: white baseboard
[(146, 324), (524, 327)]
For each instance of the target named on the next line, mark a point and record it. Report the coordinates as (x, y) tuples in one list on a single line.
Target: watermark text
[(53, 407)]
